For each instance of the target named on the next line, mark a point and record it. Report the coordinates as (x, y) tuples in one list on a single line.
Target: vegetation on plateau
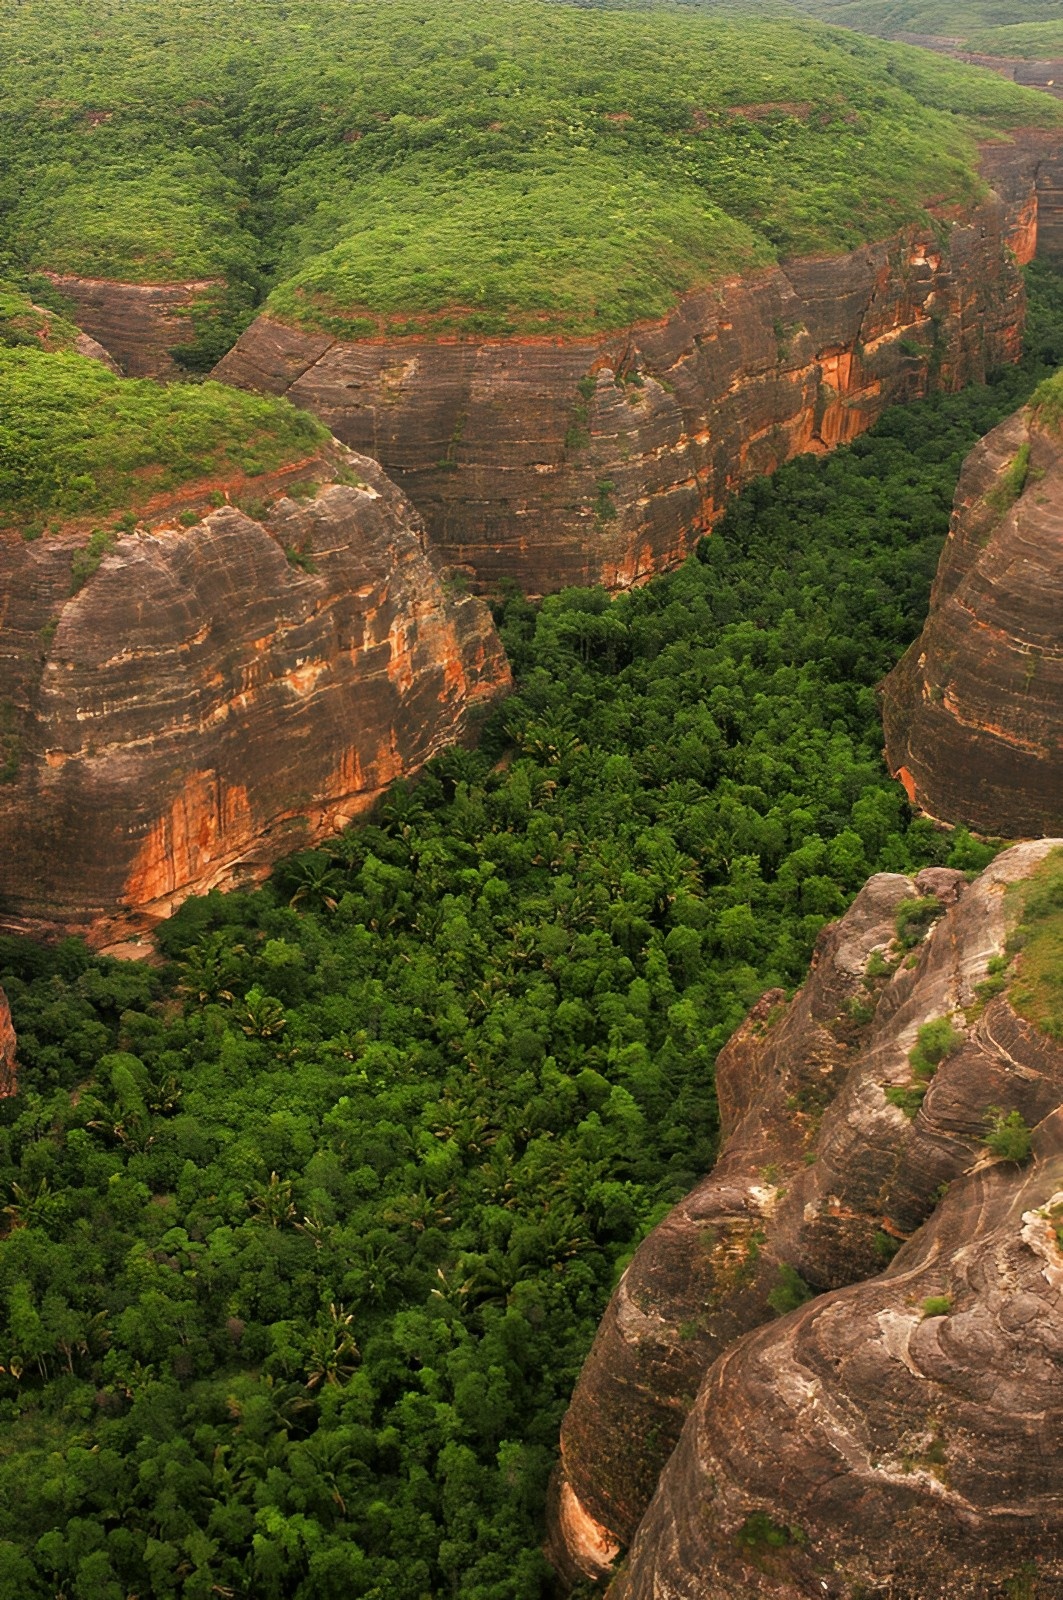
[(306, 1234), (1037, 986), (514, 166), (24, 323), (75, 439), (1025, 29)]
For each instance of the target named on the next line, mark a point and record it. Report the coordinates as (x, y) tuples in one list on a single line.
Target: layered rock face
[(217, 695), (7, 1049), (138, 324), (870, 1445), (604, 460), (973, 713), (822, 1175)]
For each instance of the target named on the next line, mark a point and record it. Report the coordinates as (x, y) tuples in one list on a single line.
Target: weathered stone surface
[(204, 703), (138, 324), (892, 1453), (7, 1049), (818, 1172), (604, 460), (973, 714)]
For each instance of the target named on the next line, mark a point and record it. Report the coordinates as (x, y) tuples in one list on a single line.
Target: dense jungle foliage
[(75, 438), (306, 1234), (22, 323), (1028, 29), (514, 166)]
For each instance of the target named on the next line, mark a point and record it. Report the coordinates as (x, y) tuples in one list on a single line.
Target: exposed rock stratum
[(858, 1445), (973, 713), (216, 695), (603, 460)]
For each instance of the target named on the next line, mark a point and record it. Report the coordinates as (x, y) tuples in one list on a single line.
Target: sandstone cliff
[(896, 1439), (216, 695), (604, 460), (973, 713), (836, 1150), (139, 325), (7, 1049)]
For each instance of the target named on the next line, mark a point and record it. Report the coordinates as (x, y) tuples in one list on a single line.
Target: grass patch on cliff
[(1036, 991), (1047, 402), (75, 439), (522, 166), (587, 246), (24, 323)]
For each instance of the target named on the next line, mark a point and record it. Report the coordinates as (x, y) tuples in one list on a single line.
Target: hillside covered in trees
[(534, 168), (1025, 29), (308, 1230)]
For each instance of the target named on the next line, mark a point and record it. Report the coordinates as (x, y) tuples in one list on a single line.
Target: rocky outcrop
[(604, 460), (973, 714), (897, 1439), (138, 324), (831, 1158), (216, 695), (7, 1049)]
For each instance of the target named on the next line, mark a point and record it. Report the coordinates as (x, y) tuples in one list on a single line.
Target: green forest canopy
[(306, 1235), (1027, 29), (513, 166), (75, 438)]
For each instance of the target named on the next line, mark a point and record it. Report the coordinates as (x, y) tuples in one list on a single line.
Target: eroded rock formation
[(604, 460), (216, 695), (973, 714), (7, 1049), (896, 1439), (138, 324), (820, 1174)]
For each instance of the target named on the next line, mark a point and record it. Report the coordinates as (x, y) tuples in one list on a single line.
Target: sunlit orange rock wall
[(604, 460), (205, 703)]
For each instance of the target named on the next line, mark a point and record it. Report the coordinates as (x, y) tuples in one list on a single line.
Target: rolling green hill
[(1028, 30), (520, 167), (76, 440)]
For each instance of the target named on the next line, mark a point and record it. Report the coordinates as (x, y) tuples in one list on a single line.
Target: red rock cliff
[(207, 701), (818, 1173), (604, 460), (973, 714), (138, 324)]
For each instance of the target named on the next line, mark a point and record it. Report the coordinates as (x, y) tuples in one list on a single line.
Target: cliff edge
[(846, 1116), (973, 713), (198, 700), (604, 460)]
